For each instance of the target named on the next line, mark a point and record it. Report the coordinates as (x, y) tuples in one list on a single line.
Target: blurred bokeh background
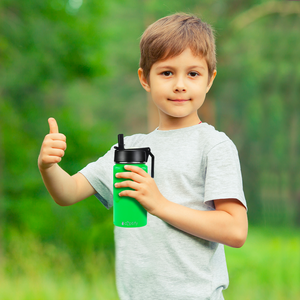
[(77, 61)]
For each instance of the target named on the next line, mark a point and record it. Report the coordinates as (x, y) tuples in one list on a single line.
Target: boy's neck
[(177, 123)]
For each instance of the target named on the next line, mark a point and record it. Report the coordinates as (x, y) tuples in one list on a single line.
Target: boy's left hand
[(144, 188)]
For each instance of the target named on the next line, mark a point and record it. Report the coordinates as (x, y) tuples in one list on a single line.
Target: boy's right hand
[(53, 147)]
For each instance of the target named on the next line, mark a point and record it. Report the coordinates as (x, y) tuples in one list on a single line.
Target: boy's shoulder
[(202, 134), (134, 140), (212, 137)]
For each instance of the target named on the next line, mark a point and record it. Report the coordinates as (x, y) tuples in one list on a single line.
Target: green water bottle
[(127, 211)]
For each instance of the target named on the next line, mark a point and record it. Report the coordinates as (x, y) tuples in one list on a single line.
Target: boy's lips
[(179, 100)]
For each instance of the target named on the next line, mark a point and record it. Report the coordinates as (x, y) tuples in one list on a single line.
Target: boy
[(195, 201)]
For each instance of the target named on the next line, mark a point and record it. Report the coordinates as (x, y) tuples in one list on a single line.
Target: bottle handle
[(152, 162)]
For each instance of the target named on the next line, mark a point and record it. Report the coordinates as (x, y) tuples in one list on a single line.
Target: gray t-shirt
[(193, 167)]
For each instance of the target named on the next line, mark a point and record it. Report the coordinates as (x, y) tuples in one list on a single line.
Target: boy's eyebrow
[(190, 67), (196, 66)]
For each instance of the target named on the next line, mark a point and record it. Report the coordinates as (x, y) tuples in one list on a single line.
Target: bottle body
[(127, 211)]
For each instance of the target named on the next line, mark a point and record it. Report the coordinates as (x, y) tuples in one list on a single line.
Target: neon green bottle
[(127, 211)]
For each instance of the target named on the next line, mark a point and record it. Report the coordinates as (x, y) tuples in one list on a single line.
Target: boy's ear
[(211, 81), (143, 80)]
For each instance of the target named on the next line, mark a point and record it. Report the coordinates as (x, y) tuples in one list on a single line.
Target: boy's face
[(178, 86)]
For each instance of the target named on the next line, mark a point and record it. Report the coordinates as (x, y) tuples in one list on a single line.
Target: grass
[(32, 270), (266, 267)]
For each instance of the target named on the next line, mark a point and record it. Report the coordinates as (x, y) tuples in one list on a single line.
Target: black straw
[(121, 141)]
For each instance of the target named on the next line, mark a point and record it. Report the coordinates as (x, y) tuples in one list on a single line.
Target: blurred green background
[(77, 61)]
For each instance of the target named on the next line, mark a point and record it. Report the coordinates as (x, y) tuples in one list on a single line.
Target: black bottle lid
[(132, 156)]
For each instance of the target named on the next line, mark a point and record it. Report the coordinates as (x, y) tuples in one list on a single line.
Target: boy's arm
[(227, 224), (64, 189)]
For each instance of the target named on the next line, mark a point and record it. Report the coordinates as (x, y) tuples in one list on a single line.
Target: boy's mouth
[(179, 100)]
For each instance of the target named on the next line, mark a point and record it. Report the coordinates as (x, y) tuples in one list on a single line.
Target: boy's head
[(171, 35)]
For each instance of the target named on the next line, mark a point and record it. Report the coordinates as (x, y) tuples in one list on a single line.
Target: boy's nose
[(179, 86), (180, 89)]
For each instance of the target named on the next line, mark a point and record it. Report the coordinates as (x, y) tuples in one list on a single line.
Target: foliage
[(35, 270), (266, 267), (77, 61), (51, 61), (259, 79)]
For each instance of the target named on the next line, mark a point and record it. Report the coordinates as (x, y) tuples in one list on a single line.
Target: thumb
[(53, 125)]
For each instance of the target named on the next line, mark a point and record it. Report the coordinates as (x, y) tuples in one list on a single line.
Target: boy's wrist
[(46, 168), (162, 208)]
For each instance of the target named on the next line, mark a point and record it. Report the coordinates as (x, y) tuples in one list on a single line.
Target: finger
[(53, 125), (56, 144), (56, 136), (49, 159), (127, 184), (136, 170), (129, 193), (57, 152), (130, 175)]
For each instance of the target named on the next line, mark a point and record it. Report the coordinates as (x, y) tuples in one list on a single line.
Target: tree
[(259, 105)]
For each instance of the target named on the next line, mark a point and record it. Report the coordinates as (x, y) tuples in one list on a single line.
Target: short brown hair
[(171, 35)]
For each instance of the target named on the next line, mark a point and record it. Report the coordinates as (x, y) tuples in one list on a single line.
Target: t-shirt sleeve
[(100, 176), (223, 178)]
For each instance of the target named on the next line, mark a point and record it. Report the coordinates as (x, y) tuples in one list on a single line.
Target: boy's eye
[(193, 74), (167, 73)]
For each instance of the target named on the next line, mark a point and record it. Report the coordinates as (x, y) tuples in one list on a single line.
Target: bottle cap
[(132, 156)]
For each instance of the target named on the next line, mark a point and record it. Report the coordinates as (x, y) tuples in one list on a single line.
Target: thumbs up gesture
[(53, 147)]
